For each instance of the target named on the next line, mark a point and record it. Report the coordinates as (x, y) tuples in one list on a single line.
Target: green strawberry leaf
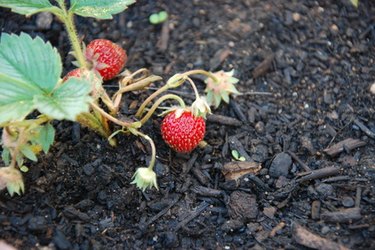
[(46, 137), (67, 101), (30, 61), (28, 7), (98, 8), (30, 70), (27, 151)]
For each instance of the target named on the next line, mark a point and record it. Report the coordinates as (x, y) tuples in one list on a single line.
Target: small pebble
[(88, 169), (296, 17), (372, 89), (324, 190), (348, 201), (325, 230), (280, 165), (334, 28), (259, 127)]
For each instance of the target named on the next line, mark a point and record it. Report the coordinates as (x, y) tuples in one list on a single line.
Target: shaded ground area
[(312, 131)]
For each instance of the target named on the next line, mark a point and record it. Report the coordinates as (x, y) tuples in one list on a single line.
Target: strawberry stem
[(158, 102), (68, 20), (201, 72), (149, 99), (194, 88), (153, 150), (109, 117)]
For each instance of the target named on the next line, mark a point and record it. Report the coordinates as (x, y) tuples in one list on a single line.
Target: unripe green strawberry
[(182, 131), (106, 57)]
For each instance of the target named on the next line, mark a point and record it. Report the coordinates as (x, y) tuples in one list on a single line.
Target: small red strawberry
[(182, 131), (106, 57), (73, 73)]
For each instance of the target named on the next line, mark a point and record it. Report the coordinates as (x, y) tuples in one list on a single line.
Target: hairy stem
[(68, 20), (153, 148), (194, 87)]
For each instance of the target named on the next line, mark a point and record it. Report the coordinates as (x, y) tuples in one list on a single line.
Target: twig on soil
[(237, 110), (315, 210), (346, 215), (205, 191), (347, 144), (358, 196), (189, 164), (306, 238), (193, 214), (255, 93), (162, 44), (364, 129), (300, 162), (319, 173), (224, 120), (258, 182), (143, 226), (337, 178)]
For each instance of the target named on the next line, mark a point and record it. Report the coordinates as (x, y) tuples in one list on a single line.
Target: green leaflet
[(99, 8), (30, 70), (28, 7), (67, 101), (46, 137), (28, 152)]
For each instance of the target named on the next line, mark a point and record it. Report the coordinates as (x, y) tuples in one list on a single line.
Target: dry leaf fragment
[(235, 170)]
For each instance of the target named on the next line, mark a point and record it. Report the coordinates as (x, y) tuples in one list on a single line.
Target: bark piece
[(162, 44), (205, 191), (242, 206), (225, 120), (264, 66), (344, 216), (219, 58), (348, 144), (308, 239), (319, 173), (315, 210), (365, 129), (236, 169), (280, 165)]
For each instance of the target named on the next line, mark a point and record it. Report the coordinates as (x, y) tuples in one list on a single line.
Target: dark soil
[(315, 58)]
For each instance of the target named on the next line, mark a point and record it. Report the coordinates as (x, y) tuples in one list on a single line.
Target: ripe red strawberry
[(184, 132), (73, 73), (107, 57)]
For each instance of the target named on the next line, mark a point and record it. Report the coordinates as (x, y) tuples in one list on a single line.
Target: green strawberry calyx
[(221, 89), (145, 178)]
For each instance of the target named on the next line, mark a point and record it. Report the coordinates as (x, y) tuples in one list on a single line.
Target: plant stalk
[(149, 99), (68, 20), (158, 102)]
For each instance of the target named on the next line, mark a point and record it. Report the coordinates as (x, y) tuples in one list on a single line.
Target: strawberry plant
[(34, 92)]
